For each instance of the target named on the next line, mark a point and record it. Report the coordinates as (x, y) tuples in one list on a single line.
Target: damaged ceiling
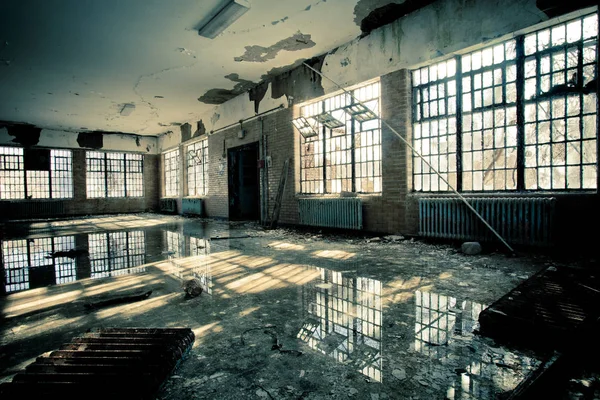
[(140, 66)]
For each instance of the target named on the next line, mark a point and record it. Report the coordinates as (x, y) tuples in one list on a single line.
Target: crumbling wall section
[(26, 135)]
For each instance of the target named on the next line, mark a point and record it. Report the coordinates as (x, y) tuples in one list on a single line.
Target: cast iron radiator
[(107, 363), (345, 213), (554, 308), (167, 205), (191, 206), (519, 220), (32, 209)]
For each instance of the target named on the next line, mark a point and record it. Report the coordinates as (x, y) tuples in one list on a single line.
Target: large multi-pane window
[(117, 253), (35, 174), (197, 168), (30, 263), (172, 173), (345, 153), (114, 174), (519, 115)]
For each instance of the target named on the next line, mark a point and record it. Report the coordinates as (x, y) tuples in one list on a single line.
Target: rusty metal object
[(105, 363)]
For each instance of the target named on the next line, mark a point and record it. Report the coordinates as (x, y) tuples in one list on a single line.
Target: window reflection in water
[(29, 263), (344, 320), (179, 245), (442, 321), (117, 253)]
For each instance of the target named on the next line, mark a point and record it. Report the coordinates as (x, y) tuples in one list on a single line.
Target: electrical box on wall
[(241, 134), (268, 160)]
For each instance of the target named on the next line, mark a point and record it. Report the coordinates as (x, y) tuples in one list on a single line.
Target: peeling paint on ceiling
[(296, 42), (93, 56)]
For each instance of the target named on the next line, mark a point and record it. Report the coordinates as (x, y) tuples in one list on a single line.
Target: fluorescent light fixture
[(305, 128), (224, 17), (127, 109)]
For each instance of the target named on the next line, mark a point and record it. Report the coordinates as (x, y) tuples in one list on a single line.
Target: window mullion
[(352, 153), (520, 49), (125, 174), (105, 175), (459, 127)]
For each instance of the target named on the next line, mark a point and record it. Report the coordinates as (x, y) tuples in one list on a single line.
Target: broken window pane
[(197, 168)]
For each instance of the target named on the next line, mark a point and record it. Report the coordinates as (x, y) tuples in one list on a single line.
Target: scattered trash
[(111, 301), (394, 238), (399, 374), (192, 288), (471, 248)]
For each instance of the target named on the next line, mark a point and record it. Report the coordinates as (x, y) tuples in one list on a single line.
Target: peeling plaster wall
[(68, 140), (439, 29), (230, 112)]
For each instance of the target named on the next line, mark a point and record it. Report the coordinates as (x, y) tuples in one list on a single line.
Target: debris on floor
[(344, 316)]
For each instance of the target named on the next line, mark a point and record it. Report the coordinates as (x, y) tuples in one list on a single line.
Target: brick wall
[(279, 136), (81, 205), (389, 212)]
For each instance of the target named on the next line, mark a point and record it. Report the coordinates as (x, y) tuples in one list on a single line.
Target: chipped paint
[(298, 41), (439, 29), (219, 96)]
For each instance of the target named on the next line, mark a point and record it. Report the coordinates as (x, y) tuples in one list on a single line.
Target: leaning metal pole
[(421, 157)]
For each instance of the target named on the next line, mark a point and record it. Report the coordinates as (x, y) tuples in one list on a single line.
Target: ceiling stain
[(298, 41)]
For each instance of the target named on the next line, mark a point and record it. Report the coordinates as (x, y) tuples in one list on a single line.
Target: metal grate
[(33, 209), (105, 363), (331, 213), (550, 308), (527, 221)]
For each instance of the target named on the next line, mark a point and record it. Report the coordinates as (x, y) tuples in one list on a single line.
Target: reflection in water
[(27, 263), (438, 317), (179, 245), (442, 321), (344, 320), (117, 253)]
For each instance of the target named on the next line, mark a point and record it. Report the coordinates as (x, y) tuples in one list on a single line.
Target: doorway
[(244, 187)]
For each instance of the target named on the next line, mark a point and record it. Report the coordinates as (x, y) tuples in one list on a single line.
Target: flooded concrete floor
[(284, 314)]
